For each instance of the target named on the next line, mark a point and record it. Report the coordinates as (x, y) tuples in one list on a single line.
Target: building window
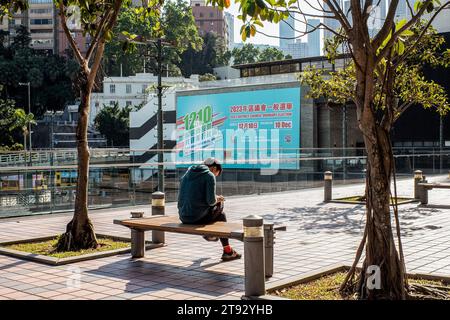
[(201, 22), (112, 88), (41, 10), (128, 103), (211, 14), (128, 88), (41, 21), (201, 14), (144, 87), (197, 4)]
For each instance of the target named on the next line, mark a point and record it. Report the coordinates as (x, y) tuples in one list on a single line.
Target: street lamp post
[(29, 110), (160, 121), (29, 128), (52, 183), (159, 43)]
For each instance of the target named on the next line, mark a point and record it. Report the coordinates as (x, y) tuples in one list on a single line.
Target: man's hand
[(220, 199)]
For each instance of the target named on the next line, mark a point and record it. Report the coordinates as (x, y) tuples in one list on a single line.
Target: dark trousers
[(215, 214)]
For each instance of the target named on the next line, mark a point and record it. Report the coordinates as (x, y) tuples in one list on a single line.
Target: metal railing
[(117, 179)]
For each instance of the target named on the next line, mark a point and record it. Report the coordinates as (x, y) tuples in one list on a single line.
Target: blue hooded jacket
[(197, 193)]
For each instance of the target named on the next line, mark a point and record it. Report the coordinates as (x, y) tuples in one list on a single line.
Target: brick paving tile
[(63, 297), (49, 294), (95, 296), (162, 294)]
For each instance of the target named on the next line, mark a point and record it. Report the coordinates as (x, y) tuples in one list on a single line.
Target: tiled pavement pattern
[(189, 268)]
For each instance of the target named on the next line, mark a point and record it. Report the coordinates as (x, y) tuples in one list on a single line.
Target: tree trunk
[(381, 252), (80, 231)]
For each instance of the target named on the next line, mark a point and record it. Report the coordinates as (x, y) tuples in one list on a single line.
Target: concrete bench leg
[(158, 208), (137, 243), (268, 248), (424, 195)]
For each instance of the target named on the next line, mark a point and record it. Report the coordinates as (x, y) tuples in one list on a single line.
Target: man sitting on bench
[(198, 202)]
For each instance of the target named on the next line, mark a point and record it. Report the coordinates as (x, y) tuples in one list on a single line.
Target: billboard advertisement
[(250, 129)]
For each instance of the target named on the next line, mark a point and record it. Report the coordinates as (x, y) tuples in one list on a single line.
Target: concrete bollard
[(423, 192), (254, 263), (137, 238), (158, 208), (417, 179), (269, 237), (328, 185)]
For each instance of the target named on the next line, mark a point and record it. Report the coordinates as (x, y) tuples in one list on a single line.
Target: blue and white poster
[(247, 129)]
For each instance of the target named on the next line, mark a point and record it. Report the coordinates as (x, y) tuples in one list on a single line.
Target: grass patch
[(327, 288), (362, 199), (47, 248)]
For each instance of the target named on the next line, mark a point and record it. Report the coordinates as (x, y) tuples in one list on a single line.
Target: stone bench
[(424, 187), (171, 223)]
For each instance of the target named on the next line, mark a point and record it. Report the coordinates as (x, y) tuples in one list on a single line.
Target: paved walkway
[(188, 267)]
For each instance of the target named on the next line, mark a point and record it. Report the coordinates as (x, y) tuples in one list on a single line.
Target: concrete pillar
[(269, 237), (137, 238), (158, 208), (254, 263), (328, 185), (417, 179)]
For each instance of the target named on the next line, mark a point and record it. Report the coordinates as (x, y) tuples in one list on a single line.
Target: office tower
[(287, 32), (313, 38)]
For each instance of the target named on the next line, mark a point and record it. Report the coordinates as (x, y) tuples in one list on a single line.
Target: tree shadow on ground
[(146, 277), (13, 264), (323, 218)]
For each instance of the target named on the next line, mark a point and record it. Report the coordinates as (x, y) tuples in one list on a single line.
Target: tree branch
[(101, 27), (101, 42), (73, 45), (396, 34), (337, 11), (424, 31), (387, 25)]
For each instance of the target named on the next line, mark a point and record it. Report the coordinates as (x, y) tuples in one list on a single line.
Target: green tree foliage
[(14, 123), (8, 7), (8, 126), (50, 75), (247, 54), (22, 121), (211, 55), (207, 77), (271, 54), (113, 122), (178, 25)]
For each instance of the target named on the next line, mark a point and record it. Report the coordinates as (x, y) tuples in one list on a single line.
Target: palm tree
[(23, 121)]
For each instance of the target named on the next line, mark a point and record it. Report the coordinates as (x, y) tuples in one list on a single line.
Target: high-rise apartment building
[(210, 19), (43, 23), (230, 29)]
